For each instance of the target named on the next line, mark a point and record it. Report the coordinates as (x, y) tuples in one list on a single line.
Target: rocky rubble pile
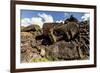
[(55, 41)]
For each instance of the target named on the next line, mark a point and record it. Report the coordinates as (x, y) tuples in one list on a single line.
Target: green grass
[(40, 60)]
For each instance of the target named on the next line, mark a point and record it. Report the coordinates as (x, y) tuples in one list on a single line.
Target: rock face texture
[(55, 41), (63, 50)]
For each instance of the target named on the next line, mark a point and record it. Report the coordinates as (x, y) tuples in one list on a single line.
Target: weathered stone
[(69, 30), (26, 37), (29, 53), (63, 50), (54, 32), (31, 28)]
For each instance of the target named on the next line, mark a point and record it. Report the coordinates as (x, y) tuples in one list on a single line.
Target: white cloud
[(25, 22), (59, 21), (30, 21), (46, 18), (85, 17), (39, 20)]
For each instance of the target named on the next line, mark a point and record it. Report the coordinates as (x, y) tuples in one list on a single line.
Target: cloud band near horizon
[(42, 18)]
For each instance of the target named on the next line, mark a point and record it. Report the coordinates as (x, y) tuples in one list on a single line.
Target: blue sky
[(48, 16)]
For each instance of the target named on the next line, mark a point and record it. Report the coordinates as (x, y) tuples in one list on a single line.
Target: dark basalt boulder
[(56, 32), (71, 19), (63, 50), (53, 32), (69, 31)]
